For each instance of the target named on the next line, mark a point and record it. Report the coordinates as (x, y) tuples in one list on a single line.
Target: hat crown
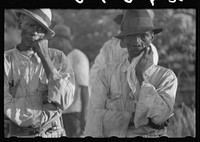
[(136, 21), (62, 30), (47, 12), (42, 16)]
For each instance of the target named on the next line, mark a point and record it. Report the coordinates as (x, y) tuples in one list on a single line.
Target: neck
[(23, 47)]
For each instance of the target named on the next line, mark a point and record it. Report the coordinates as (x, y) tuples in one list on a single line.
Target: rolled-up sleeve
[(158, 103), (101, 122), (61, 84)]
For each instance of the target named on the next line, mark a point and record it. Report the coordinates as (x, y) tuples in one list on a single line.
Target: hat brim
[(118, 19), (50, 33), (121, 35), (155, 31)]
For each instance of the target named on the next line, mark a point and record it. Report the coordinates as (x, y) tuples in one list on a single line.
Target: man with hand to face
[(38, 81), (134, 97)]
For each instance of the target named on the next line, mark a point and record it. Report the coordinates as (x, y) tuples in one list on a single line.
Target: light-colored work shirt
[(24, 72), (111, 52), (80, 65), (113, 107)]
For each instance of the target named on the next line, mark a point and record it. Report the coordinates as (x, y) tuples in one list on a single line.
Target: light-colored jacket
[(26, 74), (112, 108), (111, 52)]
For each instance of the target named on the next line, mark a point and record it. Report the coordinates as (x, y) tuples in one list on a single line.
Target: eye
[(143, 36), (41, 29), (31, 25)]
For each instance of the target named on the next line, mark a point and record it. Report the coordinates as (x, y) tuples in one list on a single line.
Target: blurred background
[(176, 48)]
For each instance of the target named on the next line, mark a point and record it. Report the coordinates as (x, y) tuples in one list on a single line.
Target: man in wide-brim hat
[(38, 81), (134, 97), (112, 52)]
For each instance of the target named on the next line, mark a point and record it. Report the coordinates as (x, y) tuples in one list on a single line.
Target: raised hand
[(145, 62), (41, 47)]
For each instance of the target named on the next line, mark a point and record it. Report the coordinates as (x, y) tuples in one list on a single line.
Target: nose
[(136, 40), (35, 32)]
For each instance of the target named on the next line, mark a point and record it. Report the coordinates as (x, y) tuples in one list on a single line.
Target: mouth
[(35, 37), (137, 48)]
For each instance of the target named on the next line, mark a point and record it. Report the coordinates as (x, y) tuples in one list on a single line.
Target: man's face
[(31, 30), (136, 43)]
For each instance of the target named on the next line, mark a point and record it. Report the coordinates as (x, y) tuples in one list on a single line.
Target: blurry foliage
[(176, 48), (182, 123)]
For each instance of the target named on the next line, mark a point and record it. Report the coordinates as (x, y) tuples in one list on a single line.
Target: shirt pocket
[(114, 102)]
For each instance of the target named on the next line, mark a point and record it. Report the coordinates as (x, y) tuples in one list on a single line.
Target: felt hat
[(63, 31), (135, 21)]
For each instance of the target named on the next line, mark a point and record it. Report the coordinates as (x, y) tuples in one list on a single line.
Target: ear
[(152, 36)]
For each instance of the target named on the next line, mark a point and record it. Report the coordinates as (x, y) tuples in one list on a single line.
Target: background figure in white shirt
[(74, 116)]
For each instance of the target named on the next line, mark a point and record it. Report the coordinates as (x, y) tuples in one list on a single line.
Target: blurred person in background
[(38, 81), (133, 97), (111, 52), (11, 33), (74, 117)]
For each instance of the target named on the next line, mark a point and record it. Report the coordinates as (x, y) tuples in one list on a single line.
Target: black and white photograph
[(100, 73)]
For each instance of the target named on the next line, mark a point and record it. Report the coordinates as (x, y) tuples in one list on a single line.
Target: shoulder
[(57, 55), (166, 72), (78, 57), (109, 68), (9, 53), (112, 43), (55, 52)]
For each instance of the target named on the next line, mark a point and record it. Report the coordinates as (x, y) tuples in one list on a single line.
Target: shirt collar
[(125, 65), (30, 54)]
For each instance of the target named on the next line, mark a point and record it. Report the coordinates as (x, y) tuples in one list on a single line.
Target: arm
[(84, 104), (81, 69), (156, 103), (60, 83), (61, 87), (100, 121)]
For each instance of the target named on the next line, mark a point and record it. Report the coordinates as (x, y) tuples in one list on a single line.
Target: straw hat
[(42, 16)]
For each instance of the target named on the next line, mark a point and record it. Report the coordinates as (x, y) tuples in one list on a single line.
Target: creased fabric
[(111, 52), (25, 75), (156, 104), (111, 108)]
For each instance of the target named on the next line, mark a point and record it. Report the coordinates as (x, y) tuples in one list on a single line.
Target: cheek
[(146, 41), (25, 30)]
